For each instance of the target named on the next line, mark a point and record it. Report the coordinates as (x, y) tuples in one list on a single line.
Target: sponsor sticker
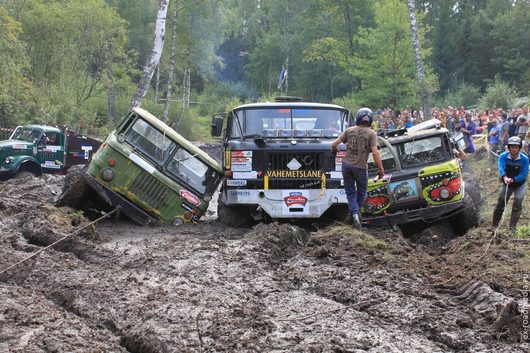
[(241, 167), (238, 160), (52, 148), (87, 150), (19, 147), (236, 182), (294, 173), (50, 165), (245, 175), (295, 198), (295, 202), (240, 194), (241, 154), (188, 196)]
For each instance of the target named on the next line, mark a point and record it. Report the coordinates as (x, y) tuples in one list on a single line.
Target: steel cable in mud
[(58, 241), (487, 246)]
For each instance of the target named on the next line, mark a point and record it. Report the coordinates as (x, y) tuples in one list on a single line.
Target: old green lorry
[(149, 172), (36, 149)]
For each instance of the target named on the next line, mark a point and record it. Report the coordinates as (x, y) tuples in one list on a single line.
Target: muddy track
[(275, 287)]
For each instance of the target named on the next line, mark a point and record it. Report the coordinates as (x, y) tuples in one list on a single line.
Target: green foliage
[(385, 63), (523, 231), (464, 95), (17, 102), (498, 94)]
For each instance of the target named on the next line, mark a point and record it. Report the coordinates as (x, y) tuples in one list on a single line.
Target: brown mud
[(119, 287)]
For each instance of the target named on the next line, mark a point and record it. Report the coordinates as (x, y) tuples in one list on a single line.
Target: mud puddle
[(118, 287)]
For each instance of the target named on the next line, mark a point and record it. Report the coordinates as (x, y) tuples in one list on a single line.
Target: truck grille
[(308, 160), (149, 190)]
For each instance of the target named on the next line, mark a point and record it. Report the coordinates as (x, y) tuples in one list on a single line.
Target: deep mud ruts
[(274, 287)]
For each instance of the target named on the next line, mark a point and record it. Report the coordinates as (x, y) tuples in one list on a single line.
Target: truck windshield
[(150, 141), (288, 122), (191, 170), (26, 134), (418, 152)]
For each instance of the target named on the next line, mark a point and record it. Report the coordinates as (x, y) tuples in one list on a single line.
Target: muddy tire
[(473, 189), (234, 216), (467, 217), (75, 188), (24, 174)]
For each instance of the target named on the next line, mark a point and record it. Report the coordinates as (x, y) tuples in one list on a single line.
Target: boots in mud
[(356, 221), (497, 215)]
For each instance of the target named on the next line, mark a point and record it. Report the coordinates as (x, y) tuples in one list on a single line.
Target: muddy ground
[(119, 287)]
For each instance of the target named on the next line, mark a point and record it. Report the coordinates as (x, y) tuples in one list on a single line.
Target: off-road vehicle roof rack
[(288, 99)]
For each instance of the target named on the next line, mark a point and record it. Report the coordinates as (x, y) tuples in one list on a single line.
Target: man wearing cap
[(469, 128), (513, 171), (360, 141)]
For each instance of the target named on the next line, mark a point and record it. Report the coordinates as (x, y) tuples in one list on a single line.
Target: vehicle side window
[(51, 139), (386, 157)]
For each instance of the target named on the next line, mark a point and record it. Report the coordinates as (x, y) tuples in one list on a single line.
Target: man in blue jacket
[(513, 171)]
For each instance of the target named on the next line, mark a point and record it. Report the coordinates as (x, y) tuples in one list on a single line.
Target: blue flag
[(283, 75)]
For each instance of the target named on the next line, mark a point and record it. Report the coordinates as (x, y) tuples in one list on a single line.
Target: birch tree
[(170, 74), (154, 58), (420, 72)]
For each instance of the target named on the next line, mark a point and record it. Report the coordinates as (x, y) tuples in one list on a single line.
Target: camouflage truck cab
[(152, 173)]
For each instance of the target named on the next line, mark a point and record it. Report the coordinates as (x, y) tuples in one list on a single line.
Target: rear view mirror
[(217, 125)]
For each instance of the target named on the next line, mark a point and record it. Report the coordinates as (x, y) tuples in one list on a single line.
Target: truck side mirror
[(217, 125)]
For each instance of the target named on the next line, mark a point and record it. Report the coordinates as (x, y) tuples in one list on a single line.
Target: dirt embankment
[(118, 287)]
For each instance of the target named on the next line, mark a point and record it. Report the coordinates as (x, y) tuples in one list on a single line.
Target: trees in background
[(80, 61)]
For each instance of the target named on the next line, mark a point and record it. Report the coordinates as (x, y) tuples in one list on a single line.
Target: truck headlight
[(445, 193), (107, 174), (9, 160)]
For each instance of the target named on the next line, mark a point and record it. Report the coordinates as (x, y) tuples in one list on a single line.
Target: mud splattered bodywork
[(152, 173), (424, 181)]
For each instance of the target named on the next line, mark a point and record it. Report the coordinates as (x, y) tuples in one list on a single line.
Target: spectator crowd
[(498, 125)]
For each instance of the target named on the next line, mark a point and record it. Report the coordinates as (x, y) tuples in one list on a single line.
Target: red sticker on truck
[(295, 198), (188, 196)]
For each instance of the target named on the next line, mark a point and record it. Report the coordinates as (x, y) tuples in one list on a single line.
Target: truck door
[(50, 152)]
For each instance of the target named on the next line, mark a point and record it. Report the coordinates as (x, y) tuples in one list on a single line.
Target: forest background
[(79, 62)]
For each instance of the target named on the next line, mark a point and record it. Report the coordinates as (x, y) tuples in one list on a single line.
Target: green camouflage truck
[(148, 171)]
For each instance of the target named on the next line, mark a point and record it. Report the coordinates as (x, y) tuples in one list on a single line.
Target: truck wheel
[(467, 217), (473, 189), (75, 188), (234, 216), (24, 174)]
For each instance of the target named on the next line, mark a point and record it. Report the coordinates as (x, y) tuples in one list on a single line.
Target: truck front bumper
[(297, 203), (116, 200), (6, 174), (427, 214)]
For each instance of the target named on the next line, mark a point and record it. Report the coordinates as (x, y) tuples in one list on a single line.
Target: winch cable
[(58, 241), (487, 245)]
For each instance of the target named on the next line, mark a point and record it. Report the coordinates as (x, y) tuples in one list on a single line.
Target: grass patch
[(355, 237)]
